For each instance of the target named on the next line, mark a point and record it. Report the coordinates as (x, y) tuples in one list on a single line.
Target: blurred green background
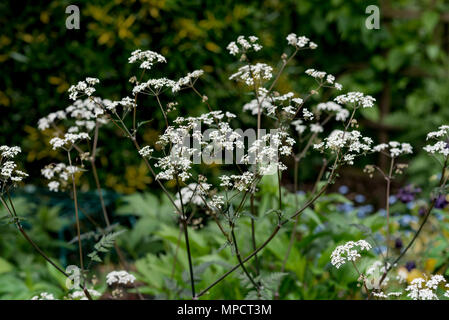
[(404, 65)]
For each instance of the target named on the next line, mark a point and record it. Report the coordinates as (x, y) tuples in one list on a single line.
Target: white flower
[(240, 182), (251, 73), (315, 73), (81, 295), (233, 48), (147, 58), (394, 149), (442, 132), (9, 152), (298, 101), (357, 99), (243, 45), (58, 174), (83, 88), (307, 114), (119, 277), (8, 169), (299, 127), (53, 186), (419, 289), (127, 102), (146, 151), (341, 114), (442, 146), (289, 109), (348, 252), (300, 42), (353, 141), (316, 128), (69, 140), (217, 201), (44, 296), (188, 80), (193, 193), (154, 86)]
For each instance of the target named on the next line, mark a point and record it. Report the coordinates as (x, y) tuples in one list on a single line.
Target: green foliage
[(104, 245)]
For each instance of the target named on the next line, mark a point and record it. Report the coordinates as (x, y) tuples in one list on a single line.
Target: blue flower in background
[(319, 228), (408, 193), (398, 243), (392, 199), (380, 249), (345, 207), (441, 202), (422, 211), (411, 205), (360, 198), (439, 216), (343, 189), (406, 219), (410, 265), (363, 211), (382, 212), (378, 237)]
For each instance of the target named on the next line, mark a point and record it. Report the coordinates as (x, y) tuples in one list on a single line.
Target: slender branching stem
[(15, 218), (186, 237), (442, 183), (387, 206), (253, 231), (78, 228), (239, 258)]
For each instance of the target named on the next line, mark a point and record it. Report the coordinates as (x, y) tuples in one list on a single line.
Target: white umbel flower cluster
[(146, 58), (441, 147), (356, 99), (394, 149), (126, 102), (83, 113), (154, 86), (59, 175), (241, 182), (193, 193), (265, 152), (299, 126), (9, 174), (352, 142), (178, 163), (420, 289), (80, 295), (250, 74), (188, 81), (324, 78), (300, 42), (341, 114), (348, 252), (69, 140), (44, 296), (82, 88), (120, 278), (243, 45), (269, 104), (146, 152)]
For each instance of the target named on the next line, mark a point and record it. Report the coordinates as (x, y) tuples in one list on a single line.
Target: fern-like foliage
[(104, 245), (268, 284)]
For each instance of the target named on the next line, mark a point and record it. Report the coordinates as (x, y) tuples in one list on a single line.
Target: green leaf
[(5, 266)]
